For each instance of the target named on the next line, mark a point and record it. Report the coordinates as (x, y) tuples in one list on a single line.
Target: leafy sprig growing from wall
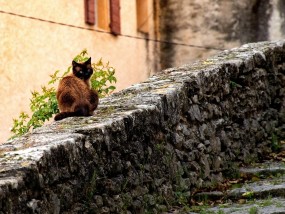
[(43, 104)]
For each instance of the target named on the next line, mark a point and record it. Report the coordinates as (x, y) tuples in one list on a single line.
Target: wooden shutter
[(115, 24), (89, 11)]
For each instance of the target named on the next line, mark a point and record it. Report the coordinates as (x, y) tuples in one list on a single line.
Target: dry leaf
[(241, 201), (254, 178), (25, 163), (248, 194), (200, 203)]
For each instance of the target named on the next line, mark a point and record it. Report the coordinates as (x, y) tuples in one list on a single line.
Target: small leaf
[(112, 88), (248, 194)]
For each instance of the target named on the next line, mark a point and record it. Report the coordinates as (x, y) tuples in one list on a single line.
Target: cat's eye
[(80, 72)]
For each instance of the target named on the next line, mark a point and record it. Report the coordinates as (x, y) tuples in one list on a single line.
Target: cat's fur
[(74, 95)]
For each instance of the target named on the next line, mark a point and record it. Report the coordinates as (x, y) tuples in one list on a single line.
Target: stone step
[(259, 189), (269, 180), (263, 170), (263, 191), (265, 206)]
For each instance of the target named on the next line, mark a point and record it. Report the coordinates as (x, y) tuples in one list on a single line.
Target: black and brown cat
[(74, 95)]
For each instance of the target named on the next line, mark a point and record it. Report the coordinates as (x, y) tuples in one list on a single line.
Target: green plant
[(182, 198), (103, 74), (267, 202), (43, 104), (91, 186), (275, 144), (253, 210), (249, 194), (204, 211)]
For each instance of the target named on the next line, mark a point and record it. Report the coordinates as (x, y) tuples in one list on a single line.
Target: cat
[(74, 95)]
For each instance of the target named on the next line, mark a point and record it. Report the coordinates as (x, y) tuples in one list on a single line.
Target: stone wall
[(151, 145), (218, 24)]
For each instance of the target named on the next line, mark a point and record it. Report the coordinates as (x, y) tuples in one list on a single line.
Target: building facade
[(214, 25), (40, 37)]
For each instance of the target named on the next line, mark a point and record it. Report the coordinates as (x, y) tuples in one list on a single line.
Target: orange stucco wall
[(31, 50)]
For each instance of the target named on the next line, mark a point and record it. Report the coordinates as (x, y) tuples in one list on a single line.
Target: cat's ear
[(74, 63), (88, 61)]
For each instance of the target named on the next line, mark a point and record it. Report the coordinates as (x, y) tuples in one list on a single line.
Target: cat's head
[(82, 70)]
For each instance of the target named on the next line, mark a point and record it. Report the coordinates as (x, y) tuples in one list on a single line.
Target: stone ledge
[(151, 142)]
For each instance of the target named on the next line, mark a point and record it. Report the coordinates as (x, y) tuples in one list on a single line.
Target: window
[(103, 15), (142, 16), (105, 12)]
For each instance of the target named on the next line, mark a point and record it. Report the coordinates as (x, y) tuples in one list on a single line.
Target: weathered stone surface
[(171, 134), (264, 170), (262, 192), (262, 189), (266, 206)]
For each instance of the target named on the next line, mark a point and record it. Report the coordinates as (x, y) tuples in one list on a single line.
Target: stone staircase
[(262, 192), (260, 188)]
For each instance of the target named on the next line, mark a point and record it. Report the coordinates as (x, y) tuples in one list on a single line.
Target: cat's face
[(82, 70)]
